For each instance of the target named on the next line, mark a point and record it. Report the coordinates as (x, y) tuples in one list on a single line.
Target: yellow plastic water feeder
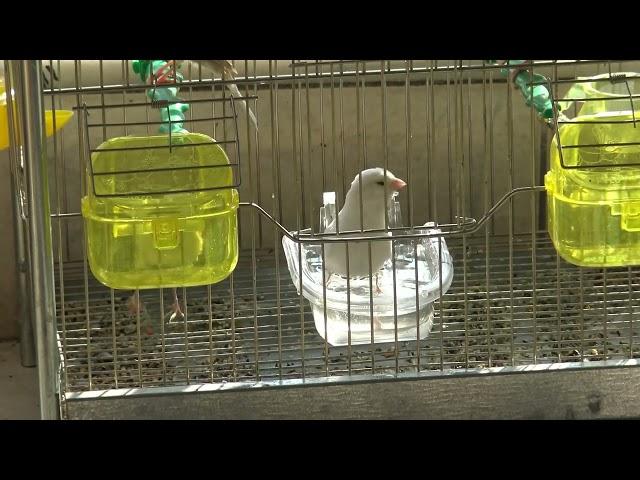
[(593, 186)]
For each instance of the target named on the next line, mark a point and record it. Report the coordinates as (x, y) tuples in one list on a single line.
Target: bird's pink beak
[(398, 184)]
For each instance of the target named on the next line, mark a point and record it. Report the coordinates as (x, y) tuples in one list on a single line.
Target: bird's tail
[(225, 69), (236, 93)]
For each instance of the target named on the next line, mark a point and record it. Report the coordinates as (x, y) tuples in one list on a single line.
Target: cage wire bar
[(27, 345), (519, 334), (26, 77)]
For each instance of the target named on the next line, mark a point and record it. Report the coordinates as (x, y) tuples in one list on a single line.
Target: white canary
[(371, 183)]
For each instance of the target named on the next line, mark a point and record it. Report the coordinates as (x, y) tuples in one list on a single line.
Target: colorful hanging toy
[(164, 72), (533, 87)]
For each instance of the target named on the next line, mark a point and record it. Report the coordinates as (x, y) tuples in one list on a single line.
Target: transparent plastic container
[(594, 213), (349, 308), (152, 229)]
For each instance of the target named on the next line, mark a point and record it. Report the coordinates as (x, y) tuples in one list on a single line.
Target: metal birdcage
[(518, 333)]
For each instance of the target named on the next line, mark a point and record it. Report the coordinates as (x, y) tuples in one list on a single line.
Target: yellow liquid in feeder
[(147, 234), (594, 214)]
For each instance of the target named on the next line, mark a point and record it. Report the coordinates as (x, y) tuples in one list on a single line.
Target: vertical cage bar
[(42, 281), (27, 343)]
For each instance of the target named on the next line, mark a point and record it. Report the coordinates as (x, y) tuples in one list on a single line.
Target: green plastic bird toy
[(156, 73)]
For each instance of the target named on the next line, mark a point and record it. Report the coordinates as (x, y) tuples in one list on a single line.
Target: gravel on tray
[(499, 320)]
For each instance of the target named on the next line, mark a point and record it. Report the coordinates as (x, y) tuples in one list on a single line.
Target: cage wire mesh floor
[(523, 305)]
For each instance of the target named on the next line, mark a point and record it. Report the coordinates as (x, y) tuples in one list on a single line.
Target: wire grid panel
[(463, 139), (172, 143)]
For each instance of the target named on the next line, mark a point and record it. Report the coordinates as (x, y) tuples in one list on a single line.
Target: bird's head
[(372, 184)]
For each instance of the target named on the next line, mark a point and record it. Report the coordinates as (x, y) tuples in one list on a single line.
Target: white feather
[(236, 94), (225, 69)]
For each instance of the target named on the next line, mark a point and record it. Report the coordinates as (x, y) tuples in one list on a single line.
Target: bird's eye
[(381, 183)]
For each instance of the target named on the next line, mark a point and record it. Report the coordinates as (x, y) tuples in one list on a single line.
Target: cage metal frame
[(423, 393)]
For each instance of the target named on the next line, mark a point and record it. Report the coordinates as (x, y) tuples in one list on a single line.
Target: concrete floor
[(18, 385)]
